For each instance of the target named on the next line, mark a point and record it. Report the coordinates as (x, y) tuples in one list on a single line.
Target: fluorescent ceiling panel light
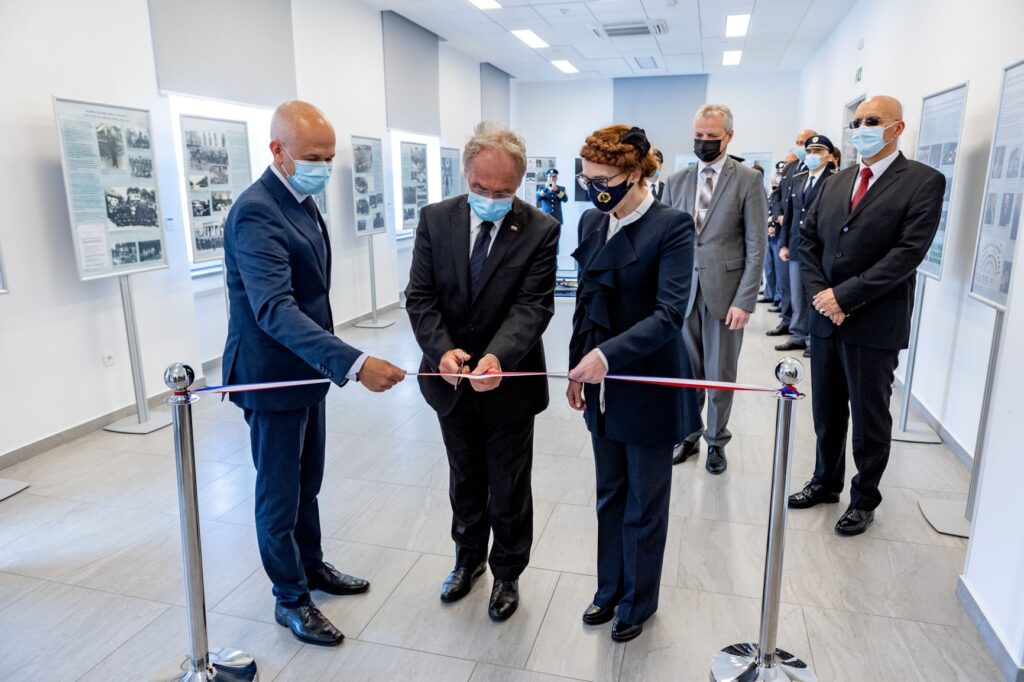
[(645, 62), (736, 25), (485, 4), (731, 57), (565, 66), (530, 38)]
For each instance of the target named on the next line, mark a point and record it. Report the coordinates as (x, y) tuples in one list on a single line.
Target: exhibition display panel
[(451, 176), (368, 186)]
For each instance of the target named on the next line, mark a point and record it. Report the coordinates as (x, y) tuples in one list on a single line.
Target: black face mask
[(707, 150)]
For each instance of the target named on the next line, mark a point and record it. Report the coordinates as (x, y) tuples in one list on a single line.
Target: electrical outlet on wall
[(108, 359)]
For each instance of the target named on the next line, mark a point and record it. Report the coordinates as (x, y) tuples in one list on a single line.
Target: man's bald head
[(298, 130), (802, 136), (888, 111)]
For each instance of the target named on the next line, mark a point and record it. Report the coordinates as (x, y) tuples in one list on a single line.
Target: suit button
[(839, 254), (696, 269), (846, 229)]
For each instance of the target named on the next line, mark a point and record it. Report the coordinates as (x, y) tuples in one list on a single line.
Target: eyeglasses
[(497, 196), (869, 121), (599, 184)]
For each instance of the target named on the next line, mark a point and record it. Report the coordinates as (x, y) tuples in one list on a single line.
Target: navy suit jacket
[(631, 304), (797, 205), (869, 256), (278, 264)]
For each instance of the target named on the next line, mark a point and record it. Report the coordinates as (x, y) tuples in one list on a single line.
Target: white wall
[(764, 109), (54, 328), (554, 119), (911, 49)]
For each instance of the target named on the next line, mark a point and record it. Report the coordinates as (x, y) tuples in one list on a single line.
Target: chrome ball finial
[(179, 376), (789, 371)]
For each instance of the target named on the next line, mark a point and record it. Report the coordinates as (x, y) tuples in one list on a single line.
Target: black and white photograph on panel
[(362, 207), (150, 250), (361, 185), (131, 206), (998, 157), (219, 175), (221, 201), (209, 235), (1013, 164), (362, 155), (200, 207), (137, 138), (198, 183), (142, 166), (1006, 210), (124, 253), (110, 141)]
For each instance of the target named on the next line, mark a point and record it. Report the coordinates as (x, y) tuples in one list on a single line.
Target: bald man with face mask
[(277, 255)]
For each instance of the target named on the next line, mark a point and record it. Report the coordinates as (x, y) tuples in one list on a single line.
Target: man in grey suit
[(728, 203)]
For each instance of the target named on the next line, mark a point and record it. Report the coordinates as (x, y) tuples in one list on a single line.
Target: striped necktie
[(704, 198)]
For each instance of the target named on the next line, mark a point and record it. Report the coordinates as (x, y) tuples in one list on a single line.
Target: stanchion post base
[(948, 517), (738, 663), (157, 420), (9, 487), (227, 665), (916, 433), (379, 324)]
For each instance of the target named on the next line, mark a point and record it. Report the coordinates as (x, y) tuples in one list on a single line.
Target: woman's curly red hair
[(623, 147)]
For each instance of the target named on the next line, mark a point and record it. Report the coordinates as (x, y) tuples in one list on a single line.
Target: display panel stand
[(144, 421), (948, 516), (9, 488), (373, 322), (918, 432)]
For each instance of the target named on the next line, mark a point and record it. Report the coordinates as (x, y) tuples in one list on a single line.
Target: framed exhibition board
[(536, 175), (451, 177), (3, 276), (368, 185), (110, 181), (215, 153), (1004, 191), (415, 182), (938, 145)]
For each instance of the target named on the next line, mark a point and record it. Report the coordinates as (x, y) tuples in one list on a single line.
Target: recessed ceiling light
[(645, 62), (485, 4), (565, 66), (736, 25), (530, 38), (732, 57)]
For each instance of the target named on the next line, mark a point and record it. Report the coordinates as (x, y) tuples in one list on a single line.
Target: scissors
[(462, 363)]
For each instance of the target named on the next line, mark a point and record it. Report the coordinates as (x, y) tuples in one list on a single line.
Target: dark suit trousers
[(770, 285), (288, 450), (852, 381), (489, 464), (633, 487)]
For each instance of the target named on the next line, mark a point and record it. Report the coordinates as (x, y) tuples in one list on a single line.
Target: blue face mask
[(812, 161), (311, 177), (489, 209), (801, 153), (869, 140)]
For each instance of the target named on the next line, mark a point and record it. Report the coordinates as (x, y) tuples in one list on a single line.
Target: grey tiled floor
[(91, 585)]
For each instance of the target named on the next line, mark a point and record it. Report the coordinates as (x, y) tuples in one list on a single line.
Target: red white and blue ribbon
[(785, 390)]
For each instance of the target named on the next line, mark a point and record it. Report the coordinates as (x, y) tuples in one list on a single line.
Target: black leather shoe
[(812, 494), (781, 330), (308, 625), (460, 581), (623, 631), (716, 460), (598, 615), (854, 521), (775, 309), (332, 581), (765, 299), (807, 353), (684, 451), (504, 599), (792, 345)]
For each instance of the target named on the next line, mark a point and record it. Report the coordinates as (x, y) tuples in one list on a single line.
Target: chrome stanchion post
[(763, 661), (200, 665)]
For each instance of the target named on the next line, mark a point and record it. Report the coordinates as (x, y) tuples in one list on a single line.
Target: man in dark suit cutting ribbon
[(480, 295), (277, 255), (860, 245)]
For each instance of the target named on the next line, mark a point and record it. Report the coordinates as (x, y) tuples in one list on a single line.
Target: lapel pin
[(515, 228)]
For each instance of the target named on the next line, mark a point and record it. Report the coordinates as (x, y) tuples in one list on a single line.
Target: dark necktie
[(809, 190), (479, 257), (310, 205), (862, 188)]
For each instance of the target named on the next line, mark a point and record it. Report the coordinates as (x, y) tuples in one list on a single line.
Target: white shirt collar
[(299, 197), (880, 166), (717, 165), (616, 224)]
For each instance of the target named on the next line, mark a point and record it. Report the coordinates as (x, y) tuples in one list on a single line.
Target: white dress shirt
[(357, 366), (877, 168), (474, 231), (717, 165)]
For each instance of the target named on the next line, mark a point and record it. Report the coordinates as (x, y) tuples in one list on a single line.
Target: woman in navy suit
[(635, 257)]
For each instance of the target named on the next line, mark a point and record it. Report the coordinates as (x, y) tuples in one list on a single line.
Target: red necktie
[(862, 188)]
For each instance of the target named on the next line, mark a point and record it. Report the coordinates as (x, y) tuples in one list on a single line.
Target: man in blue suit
[(277, 254)]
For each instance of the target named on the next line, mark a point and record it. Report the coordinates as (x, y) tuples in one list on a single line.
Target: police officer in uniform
[(551, 196)]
